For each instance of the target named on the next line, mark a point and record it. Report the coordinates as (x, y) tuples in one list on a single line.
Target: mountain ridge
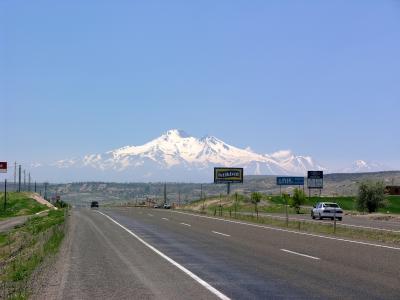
[(175, 155)]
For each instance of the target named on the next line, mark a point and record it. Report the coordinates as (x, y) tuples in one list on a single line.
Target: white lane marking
[(291, 231), (185, 224), (150, 215), (338, 224), (301, 254), (216, 232), (165, 219), (180, 267)]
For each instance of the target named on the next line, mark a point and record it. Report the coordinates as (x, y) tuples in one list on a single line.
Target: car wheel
[(340, 218), (332, 218), (312, 215), (319, 215)]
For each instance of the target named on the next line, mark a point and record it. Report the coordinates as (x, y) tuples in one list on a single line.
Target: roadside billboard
[(315, 179), (289, 180), (3, 167), (228, 175)]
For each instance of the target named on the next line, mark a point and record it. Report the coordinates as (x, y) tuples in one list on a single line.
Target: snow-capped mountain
[(361, 166), (176, 156)]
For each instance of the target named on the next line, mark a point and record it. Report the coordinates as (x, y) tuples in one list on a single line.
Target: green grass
[(393, 205), (3, 239), (276, 204), (25, 247), (19, 204), (38, 224)]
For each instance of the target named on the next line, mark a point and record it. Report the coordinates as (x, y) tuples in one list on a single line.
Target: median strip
[(220, 233), (170, 260), (300, 254)]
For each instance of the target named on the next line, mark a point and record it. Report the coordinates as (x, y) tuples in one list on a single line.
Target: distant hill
[(108, 192)]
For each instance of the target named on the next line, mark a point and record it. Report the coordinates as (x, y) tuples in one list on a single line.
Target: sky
[(321, 78)]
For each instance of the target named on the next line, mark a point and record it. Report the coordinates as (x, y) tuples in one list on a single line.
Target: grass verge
[(24, 248), (19, 204)]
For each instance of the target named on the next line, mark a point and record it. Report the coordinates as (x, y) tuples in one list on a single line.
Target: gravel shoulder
[(47, 280)]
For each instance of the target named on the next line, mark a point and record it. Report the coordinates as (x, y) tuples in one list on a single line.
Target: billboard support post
[(5, 194)]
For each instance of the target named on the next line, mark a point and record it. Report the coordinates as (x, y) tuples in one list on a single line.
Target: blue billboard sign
[(286, 180)]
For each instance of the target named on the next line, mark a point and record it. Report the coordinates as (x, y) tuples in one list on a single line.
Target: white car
[(327, 210), (167, 206)]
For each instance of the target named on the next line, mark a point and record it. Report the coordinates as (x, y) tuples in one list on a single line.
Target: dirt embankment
[(41, 200)]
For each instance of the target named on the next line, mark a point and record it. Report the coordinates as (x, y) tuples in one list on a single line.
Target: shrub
[(371, 196), (298, 199)]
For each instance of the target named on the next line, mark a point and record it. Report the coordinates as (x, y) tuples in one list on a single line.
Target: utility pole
[(5, 194), (179, 197), (165, 193), (24, 180), (29, 181), (35, 186), (45, 190), (15, 176), (19, 178)]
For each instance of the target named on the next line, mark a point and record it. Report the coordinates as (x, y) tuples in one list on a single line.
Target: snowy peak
[(176, 149), (361, 166)]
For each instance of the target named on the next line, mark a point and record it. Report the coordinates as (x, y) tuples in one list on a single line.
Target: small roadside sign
[(3, 167), (286, 180), (315, 179)]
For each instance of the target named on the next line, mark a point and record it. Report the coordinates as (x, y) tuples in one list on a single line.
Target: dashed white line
[(165, 219), (220, 233), (292, 231), (150, 215), (185, 224), (170, 260), (300, 254)]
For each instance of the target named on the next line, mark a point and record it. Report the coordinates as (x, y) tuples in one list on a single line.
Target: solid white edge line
[(291, 231), (301, 254), (173, 262), (185, 224), (216, 232)]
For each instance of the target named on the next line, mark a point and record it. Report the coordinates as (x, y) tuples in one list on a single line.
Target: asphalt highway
[(139, 253), (362, 222)]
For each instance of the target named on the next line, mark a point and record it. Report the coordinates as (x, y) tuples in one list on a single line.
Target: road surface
[(362, 222), (139, 253), (10, 223)]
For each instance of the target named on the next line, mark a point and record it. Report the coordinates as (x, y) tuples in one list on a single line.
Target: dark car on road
[(94, 204)]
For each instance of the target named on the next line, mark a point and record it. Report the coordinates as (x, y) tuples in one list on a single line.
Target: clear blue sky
[(319, 77)]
